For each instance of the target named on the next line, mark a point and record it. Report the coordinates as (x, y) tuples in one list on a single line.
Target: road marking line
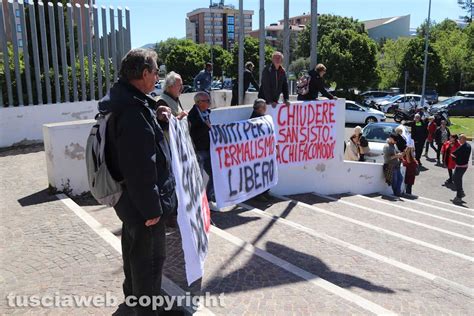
[(168, 285), (444, 203), (415, 211), (310, 277), (327, 197), (432, 206), (378, 229), (403, 266)]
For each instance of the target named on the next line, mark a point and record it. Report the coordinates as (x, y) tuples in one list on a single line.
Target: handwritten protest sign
[(243, 156), (305, 131), (193, 208)]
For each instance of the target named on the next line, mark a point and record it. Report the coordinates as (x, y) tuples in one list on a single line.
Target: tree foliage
[(251, 53), (350, 58), (413, 62), (389, 63), (327, 23), (467, 6)]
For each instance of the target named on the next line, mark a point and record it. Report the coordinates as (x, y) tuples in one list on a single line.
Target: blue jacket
[(137, 153), (203, 81)]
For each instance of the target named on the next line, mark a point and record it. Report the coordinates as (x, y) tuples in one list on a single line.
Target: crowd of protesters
[(149, 199)]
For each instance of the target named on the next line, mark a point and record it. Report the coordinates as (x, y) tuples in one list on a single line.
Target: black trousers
[(450, 173), (418, 150), (143, 253), (457, 177), (430, 144), (438, 151), (408, 188)]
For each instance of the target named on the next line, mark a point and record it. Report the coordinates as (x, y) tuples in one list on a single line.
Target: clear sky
[(155, 20)]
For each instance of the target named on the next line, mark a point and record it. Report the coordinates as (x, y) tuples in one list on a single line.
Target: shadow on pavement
[(39, 197)]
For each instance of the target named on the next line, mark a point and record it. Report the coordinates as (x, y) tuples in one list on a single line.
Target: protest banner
[(305, 131), (193, 208), (243, 156)]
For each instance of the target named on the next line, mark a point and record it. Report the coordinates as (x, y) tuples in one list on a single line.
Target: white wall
[(65, 144), (23, 125)]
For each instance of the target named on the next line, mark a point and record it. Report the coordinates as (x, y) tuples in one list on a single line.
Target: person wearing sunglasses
[(199, 126)]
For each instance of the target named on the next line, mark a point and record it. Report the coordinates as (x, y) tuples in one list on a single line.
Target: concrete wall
[(65, 144), (23, 125)]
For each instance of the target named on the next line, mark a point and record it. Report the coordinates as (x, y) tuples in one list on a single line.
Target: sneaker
[(457, 200), (448, 182), (463, 194), (213, 206)]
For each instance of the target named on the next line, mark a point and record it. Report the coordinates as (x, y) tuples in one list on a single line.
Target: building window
[(17, 13), (18, 28), (230, 28), (230, 20), (20, 43)]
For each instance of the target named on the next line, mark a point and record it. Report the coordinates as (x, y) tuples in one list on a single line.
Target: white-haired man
[(172, 90)]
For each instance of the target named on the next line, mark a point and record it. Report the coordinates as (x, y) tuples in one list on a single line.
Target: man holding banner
[(243, 156), (199, 126)]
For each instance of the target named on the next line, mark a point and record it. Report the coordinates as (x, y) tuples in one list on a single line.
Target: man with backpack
[(311, 83), (137, 155)]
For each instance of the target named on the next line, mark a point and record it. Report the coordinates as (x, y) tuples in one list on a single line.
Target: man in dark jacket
[(137, 153), (419, 132), (316, 85), (274, 82), (199, 126), (461, 156), (248, 79)]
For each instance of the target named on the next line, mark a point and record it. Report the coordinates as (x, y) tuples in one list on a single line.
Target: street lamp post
[(241, 51), (261, 44), (314, 33), (423, 88)]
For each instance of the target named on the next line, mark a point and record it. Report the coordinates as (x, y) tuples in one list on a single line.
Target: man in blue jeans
[(392, 157)]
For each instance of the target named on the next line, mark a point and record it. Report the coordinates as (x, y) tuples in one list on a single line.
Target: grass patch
[(463, 125)]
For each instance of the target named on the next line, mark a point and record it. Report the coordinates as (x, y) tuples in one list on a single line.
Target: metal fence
[(61, 56)]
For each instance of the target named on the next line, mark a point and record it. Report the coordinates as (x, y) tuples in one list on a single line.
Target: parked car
[(404, 102), (369, 96), (216, 85), (431, 96), (461, 107), (358, 114), (377, 134), (188, 89), (158, 89), (469, 94)]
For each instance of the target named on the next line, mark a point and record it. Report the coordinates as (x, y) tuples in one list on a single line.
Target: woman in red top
[(448, 148), (410, 163), (431, 132)]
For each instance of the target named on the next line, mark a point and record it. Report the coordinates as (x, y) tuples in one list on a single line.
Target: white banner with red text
[(243, 157), (305, 132)]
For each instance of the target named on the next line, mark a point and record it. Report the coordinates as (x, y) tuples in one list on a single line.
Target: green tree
[(350, 58), (413, 62), (467, 6), (389, 63), (327, 23), (299, 66), (187, 60), (222, 60), (163, 48), (251, 53), (451, 46)]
